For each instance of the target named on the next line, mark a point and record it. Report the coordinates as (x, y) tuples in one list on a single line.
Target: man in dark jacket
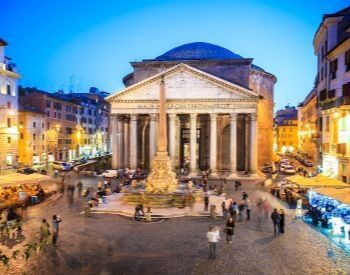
[(275, 217)]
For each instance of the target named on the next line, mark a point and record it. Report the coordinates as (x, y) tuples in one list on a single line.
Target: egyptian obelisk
[(162, 180)]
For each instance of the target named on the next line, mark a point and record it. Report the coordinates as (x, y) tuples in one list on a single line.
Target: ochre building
[(219, 106)]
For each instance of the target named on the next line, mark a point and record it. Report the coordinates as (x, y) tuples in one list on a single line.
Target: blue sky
[(90, 43)]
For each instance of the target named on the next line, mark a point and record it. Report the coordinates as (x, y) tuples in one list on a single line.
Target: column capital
[(153, 117), (120, 117), (172, 116), (253, 116), (213, 116), (133, 117), (233, 116), (193, 116)]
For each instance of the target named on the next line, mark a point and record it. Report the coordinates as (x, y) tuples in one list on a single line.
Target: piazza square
[(164, 137)]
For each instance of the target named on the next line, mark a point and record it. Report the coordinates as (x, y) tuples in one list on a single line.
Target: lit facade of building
[(32, 137), (307, 127), (8, 111), (332, 47), (219, 107), (286, 130), (76, 125)]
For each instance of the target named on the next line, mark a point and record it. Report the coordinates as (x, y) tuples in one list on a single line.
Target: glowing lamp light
[(336, 114)]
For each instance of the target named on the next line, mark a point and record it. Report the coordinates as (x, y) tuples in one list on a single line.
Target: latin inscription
[(191, 106)]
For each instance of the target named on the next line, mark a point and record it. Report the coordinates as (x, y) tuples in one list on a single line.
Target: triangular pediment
[(184, 82)]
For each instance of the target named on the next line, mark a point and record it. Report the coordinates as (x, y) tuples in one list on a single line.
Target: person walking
[(223, 207), (237, 185), (55, 228), (44, 231), (275, 217), (206, 201), (234, 211), (213, 237), (260, 204), (281, 225), (247, 207), (240, 212), (230, 224)]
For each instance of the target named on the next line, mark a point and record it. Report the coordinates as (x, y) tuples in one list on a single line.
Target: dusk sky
[(80, 43)]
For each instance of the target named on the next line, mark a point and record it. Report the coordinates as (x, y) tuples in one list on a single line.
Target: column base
[(213, 175)]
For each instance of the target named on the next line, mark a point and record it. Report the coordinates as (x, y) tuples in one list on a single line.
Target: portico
[(211, 123)]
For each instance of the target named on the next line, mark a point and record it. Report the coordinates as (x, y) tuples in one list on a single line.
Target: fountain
[(162, 188)]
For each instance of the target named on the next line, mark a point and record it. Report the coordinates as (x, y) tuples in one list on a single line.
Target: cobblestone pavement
[(109, 244)]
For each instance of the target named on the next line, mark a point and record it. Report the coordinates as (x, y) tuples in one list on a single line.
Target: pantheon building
[(219, 111)]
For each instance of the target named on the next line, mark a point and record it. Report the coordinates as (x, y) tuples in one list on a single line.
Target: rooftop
[(198, 51)]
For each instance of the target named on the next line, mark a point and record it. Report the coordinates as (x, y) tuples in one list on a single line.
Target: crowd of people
[(237, 211)]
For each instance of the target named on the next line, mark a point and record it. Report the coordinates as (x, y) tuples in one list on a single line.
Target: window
[(59, 115), (8, 139), (34, 124), (331, 93), (334, 68), (346, 89), (9, 105), (9, 123), (48, 125), (325, 147), (323, 95), (54, 115), (341, 148), (43, 125), (48, 104), (34, 148), (69, 130), (8, 90), (21, 135), (43, 137), (89, 112), (34, 136), (327, 124), (48, 113), (347, 60)]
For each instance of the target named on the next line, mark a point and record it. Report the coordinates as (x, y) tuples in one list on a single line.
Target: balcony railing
[(340, 101)]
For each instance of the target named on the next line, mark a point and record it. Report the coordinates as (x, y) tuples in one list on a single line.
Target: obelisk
[(162, 180)]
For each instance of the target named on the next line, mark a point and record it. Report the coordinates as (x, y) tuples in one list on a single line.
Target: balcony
[(340, 101)]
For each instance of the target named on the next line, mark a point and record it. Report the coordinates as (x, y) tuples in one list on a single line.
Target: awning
[(342, 195), (315, 182)]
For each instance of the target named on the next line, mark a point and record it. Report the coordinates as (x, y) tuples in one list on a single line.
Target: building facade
[(286, 130), (219, 107), (332, 47), (307, 127), (32, 137), (8, 111), (76, 125)]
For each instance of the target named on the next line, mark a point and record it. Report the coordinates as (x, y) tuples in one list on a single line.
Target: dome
[(198, 51)]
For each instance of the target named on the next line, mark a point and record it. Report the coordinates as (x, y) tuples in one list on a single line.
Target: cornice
[(186, 100), (339, 49)]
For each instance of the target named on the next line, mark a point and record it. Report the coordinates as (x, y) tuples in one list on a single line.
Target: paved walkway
[(109, 244)]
